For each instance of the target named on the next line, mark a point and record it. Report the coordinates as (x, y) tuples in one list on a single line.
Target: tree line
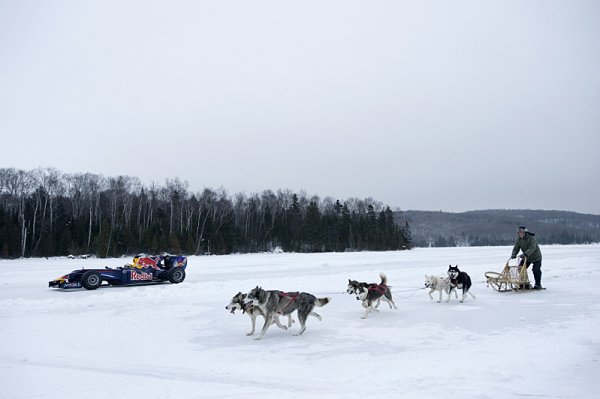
[(45, 212), (493, 227)]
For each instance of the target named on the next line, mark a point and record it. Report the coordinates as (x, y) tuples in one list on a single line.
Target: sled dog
[(274, 303), (371, 294), (354, 285), (460, 280), (440, 284), (237, 303)]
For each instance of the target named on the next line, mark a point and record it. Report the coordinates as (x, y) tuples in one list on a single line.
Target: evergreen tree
[(46, 213)]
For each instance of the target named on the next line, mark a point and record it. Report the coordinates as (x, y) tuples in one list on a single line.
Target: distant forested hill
[(498, 227)]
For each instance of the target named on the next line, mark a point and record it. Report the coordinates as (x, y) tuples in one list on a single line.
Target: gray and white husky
[(237, 303), (440, 284), (274, 303), (371, 294)]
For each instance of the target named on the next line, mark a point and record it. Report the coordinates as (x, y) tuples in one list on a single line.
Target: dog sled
[(512, 278)]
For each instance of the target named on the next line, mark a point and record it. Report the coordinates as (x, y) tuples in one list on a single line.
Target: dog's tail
[(383, 278), (322, 301)]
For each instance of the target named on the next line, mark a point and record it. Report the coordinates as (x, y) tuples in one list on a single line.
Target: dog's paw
[(250, 333)]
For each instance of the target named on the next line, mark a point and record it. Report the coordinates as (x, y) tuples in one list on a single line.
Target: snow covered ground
[(178, 341)]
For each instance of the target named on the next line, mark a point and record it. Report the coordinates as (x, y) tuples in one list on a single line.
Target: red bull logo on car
[(146, 262), (141, 276)]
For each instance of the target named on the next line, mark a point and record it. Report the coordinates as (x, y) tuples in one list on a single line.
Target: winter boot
[(537, 275)]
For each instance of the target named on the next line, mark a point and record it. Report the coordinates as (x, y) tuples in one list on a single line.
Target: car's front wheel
[(176, 275), (91, 280)]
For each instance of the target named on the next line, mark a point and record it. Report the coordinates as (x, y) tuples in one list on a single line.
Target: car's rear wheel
[(91, 280), (176, 275)]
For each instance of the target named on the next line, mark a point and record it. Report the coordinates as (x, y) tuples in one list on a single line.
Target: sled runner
[(512, 277)]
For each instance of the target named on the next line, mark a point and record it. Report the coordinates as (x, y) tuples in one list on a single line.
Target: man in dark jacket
[(527, 243)]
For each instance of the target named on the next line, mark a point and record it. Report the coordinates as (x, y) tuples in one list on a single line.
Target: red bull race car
[(143, 270)]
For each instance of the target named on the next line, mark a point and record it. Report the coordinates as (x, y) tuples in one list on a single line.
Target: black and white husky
[(460, 280), (274, 303), (371, 294), (354, 285), (441, 284), (237, 303)]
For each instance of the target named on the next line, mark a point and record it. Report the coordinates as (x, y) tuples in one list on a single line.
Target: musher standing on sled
[(527, 243)]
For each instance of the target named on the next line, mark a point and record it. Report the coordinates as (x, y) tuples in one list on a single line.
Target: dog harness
[(380, 288), (291, 295)]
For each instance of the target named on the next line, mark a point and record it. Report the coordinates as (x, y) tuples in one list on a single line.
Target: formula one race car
[(143, 270)]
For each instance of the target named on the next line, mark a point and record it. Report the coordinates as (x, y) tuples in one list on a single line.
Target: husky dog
[(354, 285), (371, 294), (440, 284), (274, 303), (237, 303), (460, 280)]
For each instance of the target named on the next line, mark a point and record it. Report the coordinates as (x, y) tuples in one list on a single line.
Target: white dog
[(441, 284)]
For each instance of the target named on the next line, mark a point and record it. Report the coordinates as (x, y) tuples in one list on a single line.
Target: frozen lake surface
[(178, 341)]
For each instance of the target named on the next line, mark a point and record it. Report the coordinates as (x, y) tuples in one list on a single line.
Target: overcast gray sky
[(434, 105)]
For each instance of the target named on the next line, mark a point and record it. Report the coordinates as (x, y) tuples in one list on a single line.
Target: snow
[(178, 341)]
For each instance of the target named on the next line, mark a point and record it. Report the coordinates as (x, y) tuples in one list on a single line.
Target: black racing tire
[(91, 280), (176, 275)]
